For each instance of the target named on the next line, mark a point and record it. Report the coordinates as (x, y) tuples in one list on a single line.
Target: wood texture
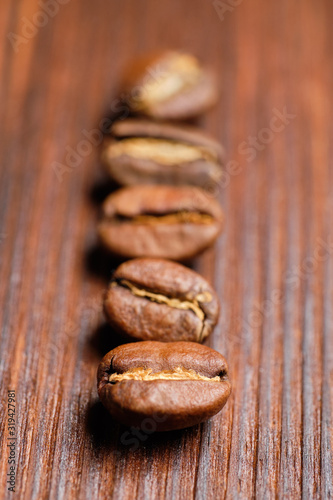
[(272, 268)]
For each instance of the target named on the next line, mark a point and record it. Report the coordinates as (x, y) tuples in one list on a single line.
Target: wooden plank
[(272, 267)]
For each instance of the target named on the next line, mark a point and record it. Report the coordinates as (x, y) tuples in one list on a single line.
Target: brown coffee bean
[(143, 152), (160, 221), (156, 299), (170, 86), (168, 385)]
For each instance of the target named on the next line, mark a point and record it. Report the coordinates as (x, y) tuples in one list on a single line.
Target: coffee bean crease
[(170, 301), (165, 152), (178, 373)]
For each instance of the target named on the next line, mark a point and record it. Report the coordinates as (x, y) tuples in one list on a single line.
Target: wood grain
[(272, 267)]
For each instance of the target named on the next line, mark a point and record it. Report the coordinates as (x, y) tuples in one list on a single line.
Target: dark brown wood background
[(272, 267)]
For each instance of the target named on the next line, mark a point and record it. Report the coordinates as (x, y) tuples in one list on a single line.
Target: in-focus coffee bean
[(144, 152), (175, 385), (170, 85), (168, 222), (156, 299)]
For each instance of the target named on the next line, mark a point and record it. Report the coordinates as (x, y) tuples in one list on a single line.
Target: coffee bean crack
[(193, 305), (162, 151), (169, 218), (146, 374)]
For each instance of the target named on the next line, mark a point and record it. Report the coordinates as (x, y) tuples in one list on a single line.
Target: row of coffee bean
[(162, 212)]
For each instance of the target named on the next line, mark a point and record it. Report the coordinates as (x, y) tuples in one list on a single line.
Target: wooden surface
[(271, 268)]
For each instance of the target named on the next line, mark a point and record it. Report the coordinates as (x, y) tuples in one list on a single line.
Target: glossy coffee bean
[(168, 222), (170, 86), (166, 385), (145, 152), (156, 299)]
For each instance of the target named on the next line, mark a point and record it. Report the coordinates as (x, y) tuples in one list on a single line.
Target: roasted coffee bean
[(170, 86), (143, 152), (163, 385), (156, 299), (160, 221)]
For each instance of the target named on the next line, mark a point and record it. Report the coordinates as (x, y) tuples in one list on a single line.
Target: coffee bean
[(170, 85), (143, 152), (175, 385), (156, 299), (160, 221)]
